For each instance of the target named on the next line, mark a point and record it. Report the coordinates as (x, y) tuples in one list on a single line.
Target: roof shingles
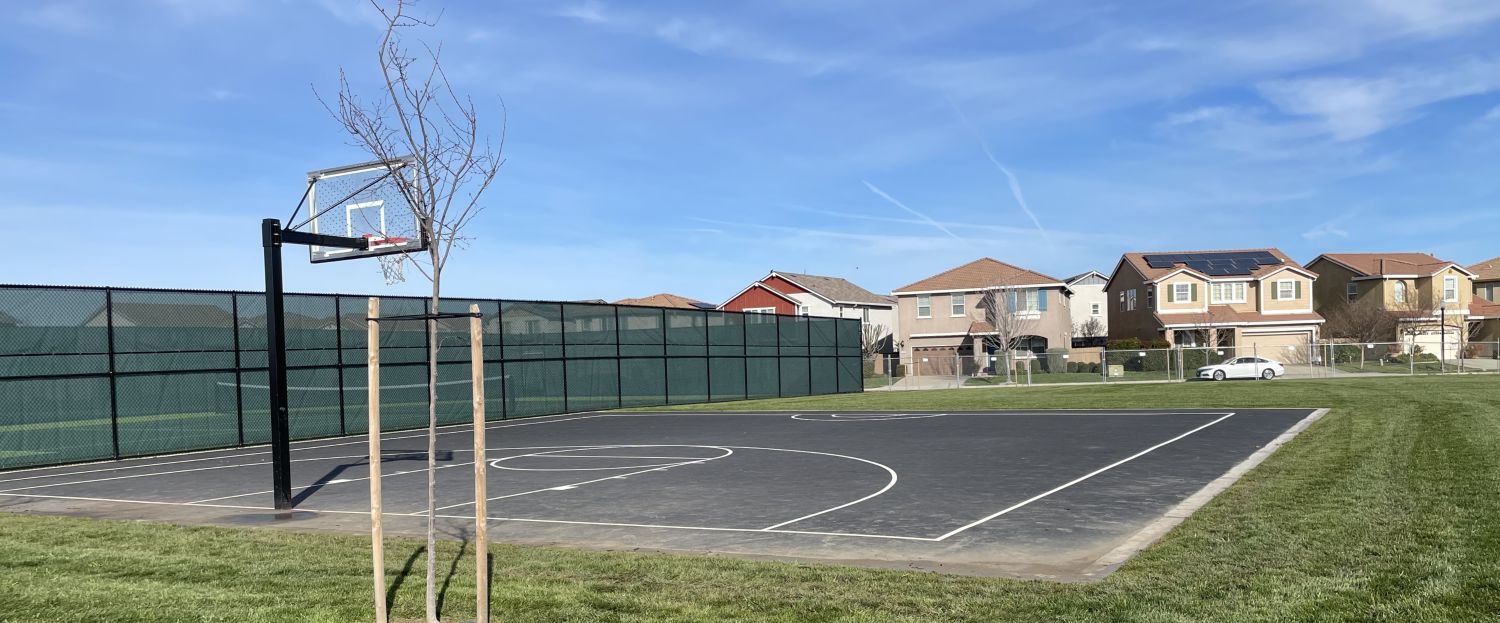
[(984, 272), (1373, 264), (836, 289)]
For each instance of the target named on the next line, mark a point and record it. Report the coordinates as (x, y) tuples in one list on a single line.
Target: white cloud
[(63, 18), (589, 11), (1352, 108), (1492, 116), (1332, 228)]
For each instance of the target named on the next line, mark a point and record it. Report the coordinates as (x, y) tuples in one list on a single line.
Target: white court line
[(1080, 479), (169, 473), (471, 517), (342, 481), (361, 440), (654, 468), (887, 487), (863, 417)]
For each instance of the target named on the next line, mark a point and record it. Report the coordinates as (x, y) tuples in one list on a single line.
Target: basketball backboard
[(363, 201)]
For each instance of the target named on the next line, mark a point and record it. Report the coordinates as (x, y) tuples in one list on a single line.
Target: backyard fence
[(99, 373), (1322, 360)]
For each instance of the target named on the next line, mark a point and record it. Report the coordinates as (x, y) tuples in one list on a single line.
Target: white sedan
[(1243, 368)]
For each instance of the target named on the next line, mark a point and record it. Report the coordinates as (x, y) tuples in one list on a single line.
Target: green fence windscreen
[(99, 373)]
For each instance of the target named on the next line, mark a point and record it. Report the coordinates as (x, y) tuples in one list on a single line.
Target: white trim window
[(1450, 289), (760, 310), (1398, 292), (866, 318), (1232, 292), (1286, 290), (1352, 291), (957, 301), (1093, 309), (804, 309), (1130, 300), (1182, 292), (924, 305)]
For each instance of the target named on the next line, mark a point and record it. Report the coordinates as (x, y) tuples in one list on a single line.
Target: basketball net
[(391, 266)]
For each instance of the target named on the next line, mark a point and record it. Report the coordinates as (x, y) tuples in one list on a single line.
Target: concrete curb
[(1148, 535)]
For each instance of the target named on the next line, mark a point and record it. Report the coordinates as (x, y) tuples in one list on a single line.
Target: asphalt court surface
[(1023, 493)]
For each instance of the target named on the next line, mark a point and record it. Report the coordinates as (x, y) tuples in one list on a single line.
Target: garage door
[(1287, 347), (1433, 341)]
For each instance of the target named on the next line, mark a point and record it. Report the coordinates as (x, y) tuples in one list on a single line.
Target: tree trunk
[(432, 390)]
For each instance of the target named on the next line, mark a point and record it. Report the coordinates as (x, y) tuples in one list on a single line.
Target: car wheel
[(1218, 375), (1268, 374)]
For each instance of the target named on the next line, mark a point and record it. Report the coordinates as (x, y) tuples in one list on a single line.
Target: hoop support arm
[(324, 240)]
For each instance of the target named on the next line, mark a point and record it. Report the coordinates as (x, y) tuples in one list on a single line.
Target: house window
[(1094, 309), (1286, 290), (958, 304), (1226, 292), (1352, 290), (1130, 300), (1182, 292), (924, 306), (1122, 300), (1398, 292), (1450, 289), (803, 309), (760, 310), (1150, 297), (867, 316), (1026, 301)]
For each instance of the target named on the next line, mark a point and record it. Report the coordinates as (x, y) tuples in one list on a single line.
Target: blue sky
[(691, 147)]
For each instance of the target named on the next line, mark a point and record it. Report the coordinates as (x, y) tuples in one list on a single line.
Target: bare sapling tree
[(415, 114), (1012, 312), (1091, 328), (1415, 314), (1364, 321), (874, 339)]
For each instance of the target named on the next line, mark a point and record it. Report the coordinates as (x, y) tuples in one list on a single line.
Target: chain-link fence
[(1094, 365), (98, 373)]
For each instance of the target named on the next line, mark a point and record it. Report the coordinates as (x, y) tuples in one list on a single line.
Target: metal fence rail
[(1323, 360), (99, 373)]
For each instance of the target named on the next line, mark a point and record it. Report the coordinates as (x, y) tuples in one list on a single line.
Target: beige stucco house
[(945, 315), (1484, 312), (1430, 297), (1255, 299)]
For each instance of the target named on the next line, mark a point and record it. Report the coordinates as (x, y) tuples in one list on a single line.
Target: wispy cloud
[(590, 11), (1331, 228), (63, 18), (704, 36), (1015, 184), (1352, 108), (923, 217)]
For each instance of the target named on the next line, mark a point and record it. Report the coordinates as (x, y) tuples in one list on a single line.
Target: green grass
[(1385, 510), (878, 381)]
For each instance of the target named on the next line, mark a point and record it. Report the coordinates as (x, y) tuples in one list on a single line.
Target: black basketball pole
[(281, 450), (271, 238)]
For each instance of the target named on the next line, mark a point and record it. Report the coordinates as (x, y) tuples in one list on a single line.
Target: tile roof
[(665, 299), (1371, 264), (1484, 309), (1137, 260), (978, 327), (1222, 315), (981, 273), (835, 289), (1488, 270)]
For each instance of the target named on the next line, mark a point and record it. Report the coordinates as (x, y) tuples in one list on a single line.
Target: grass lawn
[(879, 381), (1385, 510)]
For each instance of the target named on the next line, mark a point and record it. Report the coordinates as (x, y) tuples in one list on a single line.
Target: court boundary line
[(1078, 480), (359, 439), (1159, 527)]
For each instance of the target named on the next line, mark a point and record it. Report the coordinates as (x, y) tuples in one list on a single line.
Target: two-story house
[(1252, 299), (947, 314), (1485, 310), (816, 295), (1088, 304), (1428, 297)]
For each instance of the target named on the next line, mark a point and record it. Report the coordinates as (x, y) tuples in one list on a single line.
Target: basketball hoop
[(390, 266)]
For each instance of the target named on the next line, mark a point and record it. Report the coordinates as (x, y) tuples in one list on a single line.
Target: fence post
[(958, 370), (239, 403), (109, 336)]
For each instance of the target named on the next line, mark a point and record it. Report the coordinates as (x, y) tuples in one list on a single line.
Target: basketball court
[(1060, 494)]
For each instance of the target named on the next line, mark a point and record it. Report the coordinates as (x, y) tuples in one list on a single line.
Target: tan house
[(947, 314), (1430, 297), (1485, 310), (666, 299), (1252, 299)]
